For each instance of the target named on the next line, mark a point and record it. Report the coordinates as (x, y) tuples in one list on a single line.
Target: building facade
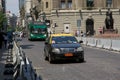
[(80, 15)]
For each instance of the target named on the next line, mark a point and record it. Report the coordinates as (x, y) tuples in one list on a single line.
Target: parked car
[(63, 46)]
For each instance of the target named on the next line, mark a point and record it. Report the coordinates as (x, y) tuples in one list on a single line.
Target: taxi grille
[(64, 50)]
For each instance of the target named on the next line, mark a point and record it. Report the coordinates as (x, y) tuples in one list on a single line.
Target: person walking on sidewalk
[(5, 40), (1, 40), (21, 35)]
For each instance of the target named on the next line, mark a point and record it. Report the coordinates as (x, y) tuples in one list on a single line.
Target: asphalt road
[(99, 64)]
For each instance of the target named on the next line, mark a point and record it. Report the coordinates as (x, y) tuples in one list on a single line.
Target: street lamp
[(43, 17), (57, 13)]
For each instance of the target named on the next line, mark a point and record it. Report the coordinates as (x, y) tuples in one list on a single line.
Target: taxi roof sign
[(61, 35)]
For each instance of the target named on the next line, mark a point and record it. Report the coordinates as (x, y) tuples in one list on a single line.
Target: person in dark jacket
[(5, 40), (1, 40)]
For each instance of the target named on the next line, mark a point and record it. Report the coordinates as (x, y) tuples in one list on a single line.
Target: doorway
[(66, 28), (90, 27)]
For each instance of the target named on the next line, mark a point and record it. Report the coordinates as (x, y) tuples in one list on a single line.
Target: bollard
[(10, 46), (8, 72), (9, 65)]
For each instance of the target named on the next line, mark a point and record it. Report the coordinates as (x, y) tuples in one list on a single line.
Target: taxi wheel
[(50, 58), (82, 60), (45, 57)]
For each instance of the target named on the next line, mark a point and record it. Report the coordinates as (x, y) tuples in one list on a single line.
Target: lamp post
[(43, 17)]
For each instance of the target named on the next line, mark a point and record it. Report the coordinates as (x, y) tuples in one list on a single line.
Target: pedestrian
[(5, 40), (21, 35), (10, 37), (82, 33), (62, 31), (88, 33), (78, 33), (1, 40), (100, 29), (75, 33)]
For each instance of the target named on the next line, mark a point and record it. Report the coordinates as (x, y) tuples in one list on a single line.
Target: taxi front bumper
[(69, 55)]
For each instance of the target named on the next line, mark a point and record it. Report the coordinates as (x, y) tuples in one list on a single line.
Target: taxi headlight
[(80, 49), (56, 50)]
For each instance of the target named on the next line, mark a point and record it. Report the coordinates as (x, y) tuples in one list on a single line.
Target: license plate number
[(68, 54)]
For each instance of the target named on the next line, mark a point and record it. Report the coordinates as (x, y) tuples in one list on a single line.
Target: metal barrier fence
[(109, 44), (18, 66)]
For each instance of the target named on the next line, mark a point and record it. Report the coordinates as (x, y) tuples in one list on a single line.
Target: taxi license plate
[(68, 54)]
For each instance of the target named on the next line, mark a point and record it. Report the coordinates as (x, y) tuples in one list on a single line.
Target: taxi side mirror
[(80, 41)]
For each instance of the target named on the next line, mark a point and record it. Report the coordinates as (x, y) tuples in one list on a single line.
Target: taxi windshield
[(64, 39)]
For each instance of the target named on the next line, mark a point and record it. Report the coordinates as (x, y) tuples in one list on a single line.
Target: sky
[(12, 6)]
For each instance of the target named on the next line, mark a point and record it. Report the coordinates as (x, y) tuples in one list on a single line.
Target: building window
[(46, 4), (69, 3), (66, 4), (90, 3), (63, 6), (108, 3)]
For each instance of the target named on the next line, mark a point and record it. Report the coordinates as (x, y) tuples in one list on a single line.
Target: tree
[(2, 19)]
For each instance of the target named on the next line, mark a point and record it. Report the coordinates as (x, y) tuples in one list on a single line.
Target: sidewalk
[(114, 36), (3, 54)]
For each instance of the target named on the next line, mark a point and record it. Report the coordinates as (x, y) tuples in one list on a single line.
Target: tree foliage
[(2, 19)]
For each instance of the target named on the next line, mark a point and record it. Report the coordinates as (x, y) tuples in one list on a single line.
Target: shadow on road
[(30, 46), (67, 62)]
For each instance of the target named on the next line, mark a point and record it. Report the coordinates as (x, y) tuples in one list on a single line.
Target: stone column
[(116, 3), (66, 2), (55, 4), (73, 4), (98, 3), (103, 3), (79, 4), (84, 3)]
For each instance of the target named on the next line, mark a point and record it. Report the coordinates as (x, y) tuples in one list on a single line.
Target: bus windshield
[(38, 30)]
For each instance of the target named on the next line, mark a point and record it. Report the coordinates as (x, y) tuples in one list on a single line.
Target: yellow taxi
[(63, 46)]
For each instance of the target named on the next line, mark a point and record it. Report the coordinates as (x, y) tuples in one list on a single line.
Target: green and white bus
[(37, 31)]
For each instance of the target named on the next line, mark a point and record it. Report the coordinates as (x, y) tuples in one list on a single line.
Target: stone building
[(79, 15)]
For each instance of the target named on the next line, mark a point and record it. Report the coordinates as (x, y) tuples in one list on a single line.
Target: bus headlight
[(45, 35), (31, 35), (56, 50)]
